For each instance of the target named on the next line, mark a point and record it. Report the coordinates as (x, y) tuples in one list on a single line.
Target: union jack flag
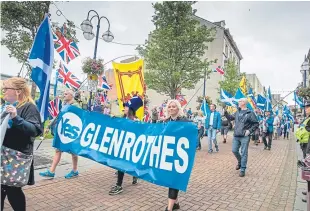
[(103, 83), (67, 48), (219, 70), (181, 99), (54, 106), (67, 78)]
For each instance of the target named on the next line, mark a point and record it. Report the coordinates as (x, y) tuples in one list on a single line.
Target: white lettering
[(166, 152), (182, 154), (105, 139), (150, 140), (128, 144), (116, 142), (155, 151), (135, 157), (94, 145), (87, 134)]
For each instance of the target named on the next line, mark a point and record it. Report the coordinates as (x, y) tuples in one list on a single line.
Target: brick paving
[(269, 184)]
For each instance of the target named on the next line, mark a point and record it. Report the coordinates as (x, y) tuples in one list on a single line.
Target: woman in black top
[(174, 113), (24, 126)]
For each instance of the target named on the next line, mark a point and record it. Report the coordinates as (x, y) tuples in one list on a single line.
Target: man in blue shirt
[(269, 132), (213, 126)]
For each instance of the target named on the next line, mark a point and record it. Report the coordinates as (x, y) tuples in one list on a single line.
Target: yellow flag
[(129, 80), (231, 109), (243, 86)]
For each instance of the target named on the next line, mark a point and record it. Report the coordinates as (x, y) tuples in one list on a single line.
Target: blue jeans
[(212, 137), (242, 142)]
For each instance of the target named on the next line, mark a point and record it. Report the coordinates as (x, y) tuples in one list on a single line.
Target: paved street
[(270, 184)]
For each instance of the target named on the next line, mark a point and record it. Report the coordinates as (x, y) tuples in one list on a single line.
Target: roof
[(226, 32), (233, 43)]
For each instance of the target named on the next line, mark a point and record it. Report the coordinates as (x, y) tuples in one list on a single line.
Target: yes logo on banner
[(159, 153)]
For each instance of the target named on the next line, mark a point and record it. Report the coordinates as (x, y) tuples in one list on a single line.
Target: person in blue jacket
[(269, 125), (213, 126)]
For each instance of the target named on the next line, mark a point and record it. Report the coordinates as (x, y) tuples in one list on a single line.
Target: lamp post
[(304, 70), (87, 28)]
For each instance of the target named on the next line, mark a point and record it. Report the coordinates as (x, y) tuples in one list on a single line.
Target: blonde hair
[(177, 103), (20, 84)]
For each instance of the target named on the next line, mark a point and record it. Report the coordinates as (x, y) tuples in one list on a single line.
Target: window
[(226, 50), (230, 55)]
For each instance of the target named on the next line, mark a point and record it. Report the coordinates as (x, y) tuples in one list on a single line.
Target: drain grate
[(40, 161)]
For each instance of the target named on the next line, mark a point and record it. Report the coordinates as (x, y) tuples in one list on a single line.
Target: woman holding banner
[(174, 113), (130, 109), (17, 149)]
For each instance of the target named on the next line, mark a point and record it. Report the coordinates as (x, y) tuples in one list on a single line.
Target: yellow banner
[(243, 86), (129, 81)]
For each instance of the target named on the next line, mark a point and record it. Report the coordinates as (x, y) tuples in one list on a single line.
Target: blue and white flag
[(298, 100), (41, 59), (205, 107), (239, 95), (162, 153), (277, 111), (260, 102), (227, 98), (268, 106)]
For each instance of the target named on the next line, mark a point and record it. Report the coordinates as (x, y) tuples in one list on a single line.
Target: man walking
[(269, 124), (213, 126), (245, 124), (276, 126)]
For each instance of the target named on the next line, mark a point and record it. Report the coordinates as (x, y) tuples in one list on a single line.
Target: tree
[(232, 78), (174, 50), (20, 22)]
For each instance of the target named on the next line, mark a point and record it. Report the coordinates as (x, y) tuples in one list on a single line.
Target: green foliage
[(174, 50), (232, 78)]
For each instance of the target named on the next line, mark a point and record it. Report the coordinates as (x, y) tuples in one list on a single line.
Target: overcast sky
[(273, 37)]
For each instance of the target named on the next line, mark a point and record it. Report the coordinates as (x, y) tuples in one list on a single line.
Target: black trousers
[(173, 193), (303, 147), (120, 178), (285, 134), (269, 135), (15, 196)]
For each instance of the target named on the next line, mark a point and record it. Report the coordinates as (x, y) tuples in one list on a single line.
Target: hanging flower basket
[(303, 92), (93, 66)]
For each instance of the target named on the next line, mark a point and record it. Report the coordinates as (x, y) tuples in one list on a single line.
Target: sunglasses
[(7, 88)]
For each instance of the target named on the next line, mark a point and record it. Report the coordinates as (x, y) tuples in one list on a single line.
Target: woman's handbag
[(15, 167)]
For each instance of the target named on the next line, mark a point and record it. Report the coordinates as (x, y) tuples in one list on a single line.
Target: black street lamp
[(304, 69), (88, 34)]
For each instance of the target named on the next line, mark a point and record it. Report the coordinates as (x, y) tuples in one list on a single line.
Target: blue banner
[(160, 153)]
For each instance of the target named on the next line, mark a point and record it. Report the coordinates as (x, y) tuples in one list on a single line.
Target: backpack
[(301, 133)]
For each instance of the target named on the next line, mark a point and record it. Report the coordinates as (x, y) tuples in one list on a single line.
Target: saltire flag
[(239, 95), (268, 106), (103, 83), (181, 99), (67, 78), (298, 100), (277, 111), (56, 83), (54, 106), (251, 99), (205, 107), (41, 58), (67, 48), (219, 70), (227, 98), (242, 85), (260, 102)]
